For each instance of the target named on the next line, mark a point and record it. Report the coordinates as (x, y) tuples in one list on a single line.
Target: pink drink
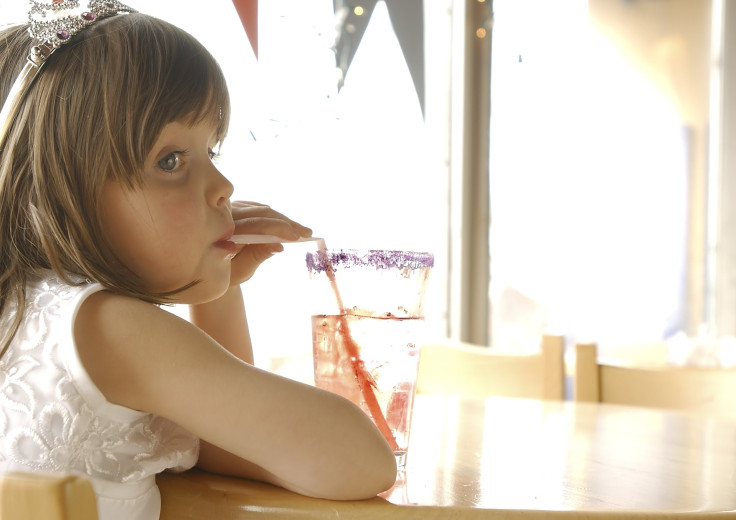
[(388, 353), (366, 328)]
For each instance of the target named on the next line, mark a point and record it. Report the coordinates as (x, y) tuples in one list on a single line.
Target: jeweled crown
[(56, 22), (51, 24)]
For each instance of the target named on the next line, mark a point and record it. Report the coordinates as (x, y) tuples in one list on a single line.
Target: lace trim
[(46, 421)]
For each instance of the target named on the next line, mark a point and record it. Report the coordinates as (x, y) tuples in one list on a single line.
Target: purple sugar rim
[(323, 260)]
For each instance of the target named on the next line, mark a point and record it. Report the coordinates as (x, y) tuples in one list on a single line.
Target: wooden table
[(513, 458)]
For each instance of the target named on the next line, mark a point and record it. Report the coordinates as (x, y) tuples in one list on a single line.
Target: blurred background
[(567, 161)]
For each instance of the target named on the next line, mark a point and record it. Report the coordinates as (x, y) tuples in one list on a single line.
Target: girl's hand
[(255, 218)]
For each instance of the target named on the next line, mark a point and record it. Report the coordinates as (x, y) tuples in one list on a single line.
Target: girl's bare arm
[(225, 321), (297, 436)]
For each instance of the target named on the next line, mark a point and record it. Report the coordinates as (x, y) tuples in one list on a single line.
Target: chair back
[(44, 496), (474, 371), (708, 391)]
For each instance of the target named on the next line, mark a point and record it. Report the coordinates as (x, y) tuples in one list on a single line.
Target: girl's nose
[(222, 189)]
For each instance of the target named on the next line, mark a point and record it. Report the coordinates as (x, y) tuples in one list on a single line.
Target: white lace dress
[(53, 417)]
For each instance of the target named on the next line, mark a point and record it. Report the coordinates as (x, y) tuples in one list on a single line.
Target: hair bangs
[(194, 89), (157, 74)]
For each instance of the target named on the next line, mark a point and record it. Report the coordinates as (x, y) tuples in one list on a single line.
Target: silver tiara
[(51, 24)]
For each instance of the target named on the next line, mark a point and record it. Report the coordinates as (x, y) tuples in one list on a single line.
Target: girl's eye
[(171, 162), (213, 155)]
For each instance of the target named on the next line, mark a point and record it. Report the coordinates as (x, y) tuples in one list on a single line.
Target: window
[(599, 125)]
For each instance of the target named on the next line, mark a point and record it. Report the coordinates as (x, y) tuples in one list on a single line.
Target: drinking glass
[(366, 330)]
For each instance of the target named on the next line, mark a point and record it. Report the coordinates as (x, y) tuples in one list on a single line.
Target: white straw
[(267, 239)]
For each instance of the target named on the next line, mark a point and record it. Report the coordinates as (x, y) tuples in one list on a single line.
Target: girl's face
[(175, 229)]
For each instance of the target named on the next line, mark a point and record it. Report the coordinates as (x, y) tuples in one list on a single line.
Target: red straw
[(366, 383)]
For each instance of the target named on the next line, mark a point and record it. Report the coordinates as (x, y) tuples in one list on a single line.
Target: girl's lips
[(225, 241), (227, 245), (228, 234)]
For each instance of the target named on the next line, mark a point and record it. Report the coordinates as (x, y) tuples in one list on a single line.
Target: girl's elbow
[(349, 459), (369, 473), (387, 470), (362, 488), (376, 475)]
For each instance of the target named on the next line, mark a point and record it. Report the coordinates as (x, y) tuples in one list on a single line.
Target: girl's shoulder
[(98, 304), (129, 347)]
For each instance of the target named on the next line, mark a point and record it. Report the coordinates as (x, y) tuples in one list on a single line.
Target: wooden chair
[(708, 391), (43, 496), (474, 371)]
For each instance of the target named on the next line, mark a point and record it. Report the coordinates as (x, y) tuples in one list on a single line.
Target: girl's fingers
[(245, 263), (267, 226), (259, 219), (252, 208), (253, 218)]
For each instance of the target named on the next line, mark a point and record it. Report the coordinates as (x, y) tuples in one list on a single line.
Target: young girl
[(110, 204)]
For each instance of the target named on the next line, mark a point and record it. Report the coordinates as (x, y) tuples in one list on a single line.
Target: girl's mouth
[(228, 246)]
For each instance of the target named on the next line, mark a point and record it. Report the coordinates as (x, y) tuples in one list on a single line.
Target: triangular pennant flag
[(407, 20), (351, 17), (248, 13)]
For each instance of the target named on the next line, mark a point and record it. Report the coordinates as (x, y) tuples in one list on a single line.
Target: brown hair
[(92, 114)]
